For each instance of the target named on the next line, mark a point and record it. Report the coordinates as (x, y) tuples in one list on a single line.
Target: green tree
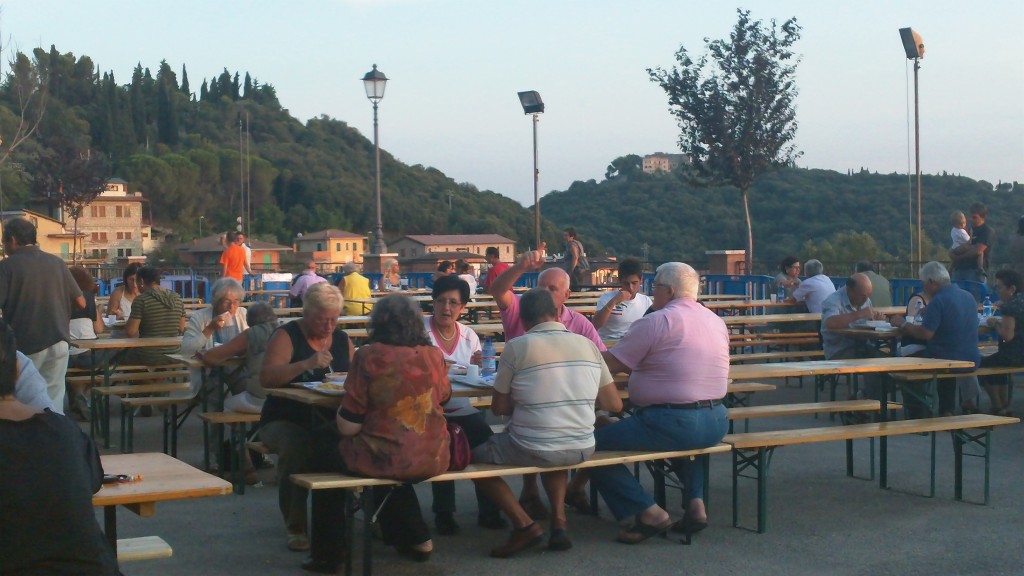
[(735, 106), (73, 179), (628, 166)]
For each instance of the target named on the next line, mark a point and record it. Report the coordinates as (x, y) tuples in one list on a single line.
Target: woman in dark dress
[(305, 351), (1010, 327), (50, 472)]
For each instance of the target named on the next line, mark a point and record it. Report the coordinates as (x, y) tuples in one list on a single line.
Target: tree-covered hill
[(189, 152), (795, 211)]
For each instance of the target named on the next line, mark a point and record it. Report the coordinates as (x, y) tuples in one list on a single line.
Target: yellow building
[(51, 235), (330, 249), (418, 244)]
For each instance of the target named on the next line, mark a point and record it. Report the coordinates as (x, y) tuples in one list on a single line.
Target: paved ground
[(820, 521)]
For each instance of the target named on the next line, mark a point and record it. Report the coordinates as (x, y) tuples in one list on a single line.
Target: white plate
[(328, 388)]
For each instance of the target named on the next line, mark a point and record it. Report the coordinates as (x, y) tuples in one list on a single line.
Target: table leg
[(110, 526)]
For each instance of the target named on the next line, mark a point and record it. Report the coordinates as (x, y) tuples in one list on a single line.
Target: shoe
[(413, 554), (491, 521), (520, 539), (640, 531), (320, 566), (580, 502), (445, 524), (689, 526), (535, 508), (559, 540), (298, 542)]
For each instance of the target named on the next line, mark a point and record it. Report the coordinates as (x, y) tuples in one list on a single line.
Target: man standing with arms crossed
[(37, 294), (556, 281)]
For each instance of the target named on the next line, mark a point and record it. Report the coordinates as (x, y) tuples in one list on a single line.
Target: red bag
[(458, 446)]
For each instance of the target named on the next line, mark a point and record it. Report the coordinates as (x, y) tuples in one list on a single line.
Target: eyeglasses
[(450, 303)]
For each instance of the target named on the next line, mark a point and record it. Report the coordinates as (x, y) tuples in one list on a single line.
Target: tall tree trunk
[(745, 193)]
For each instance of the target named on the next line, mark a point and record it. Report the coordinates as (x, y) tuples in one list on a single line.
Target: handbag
[(458, 446)]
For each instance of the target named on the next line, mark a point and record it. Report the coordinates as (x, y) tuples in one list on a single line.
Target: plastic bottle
[(986, 307), (781, 293), (490, 359)]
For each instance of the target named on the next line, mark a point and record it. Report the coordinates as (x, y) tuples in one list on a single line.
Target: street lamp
[(532, 104), (201, 218), (374, 82), (914, 48)]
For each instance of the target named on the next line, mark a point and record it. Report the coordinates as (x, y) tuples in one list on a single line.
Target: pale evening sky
[(455, 67)]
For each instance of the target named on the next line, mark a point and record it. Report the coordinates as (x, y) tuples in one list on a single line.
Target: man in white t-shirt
[(617, 310), (548, 380), (813, 291)]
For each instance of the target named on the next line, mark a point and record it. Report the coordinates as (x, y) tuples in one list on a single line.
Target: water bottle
[(490, 359), (918, 312), (781, 293), (986, 307)]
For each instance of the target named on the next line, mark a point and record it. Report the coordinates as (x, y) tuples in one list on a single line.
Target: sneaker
[(298, 542)]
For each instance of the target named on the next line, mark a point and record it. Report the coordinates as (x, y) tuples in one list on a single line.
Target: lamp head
[(532, 104), (374, 82), (912, 43)]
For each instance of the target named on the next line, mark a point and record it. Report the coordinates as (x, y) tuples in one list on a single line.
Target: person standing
[(881, 294), (37, 295), (970, 261), (1016, 248), (493, 258), (575, 259), (232, 259)]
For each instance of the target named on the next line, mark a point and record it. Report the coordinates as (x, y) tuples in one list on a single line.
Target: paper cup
[(473, 372), (774, 298)]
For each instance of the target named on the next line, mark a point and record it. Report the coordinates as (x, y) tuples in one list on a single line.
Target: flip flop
[(641, 531)]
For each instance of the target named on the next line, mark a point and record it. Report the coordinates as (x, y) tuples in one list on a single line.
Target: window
[(120, 235), (93, 211), (128, 212), (119, 211), (103, 211), (104, 253), (120, 252), (144, 235), (95, 236), (319, 247), (103, 236), (401, 252), (128, 236), (128, 252), (337, 246)]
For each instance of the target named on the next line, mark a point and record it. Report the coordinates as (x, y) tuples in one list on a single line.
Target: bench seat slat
[(774, 410), (922, 376), (143, 548)]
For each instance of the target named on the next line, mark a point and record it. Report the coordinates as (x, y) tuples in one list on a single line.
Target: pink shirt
[(677, 355), (573, 321)]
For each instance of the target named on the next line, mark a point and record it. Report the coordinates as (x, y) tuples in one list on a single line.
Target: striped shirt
[(553, 376), (159, 312)]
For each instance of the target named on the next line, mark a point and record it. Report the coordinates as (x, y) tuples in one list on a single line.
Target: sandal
[(641, 531)]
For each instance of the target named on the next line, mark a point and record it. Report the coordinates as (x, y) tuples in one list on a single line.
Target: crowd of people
[(553, 382)]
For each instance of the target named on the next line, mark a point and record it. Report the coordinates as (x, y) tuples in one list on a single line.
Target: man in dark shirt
[(37, 293), (970, 261)]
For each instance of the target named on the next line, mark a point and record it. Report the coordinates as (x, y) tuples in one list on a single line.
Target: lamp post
[(914, 48), (533, 105), (374, 82), (201, 218)]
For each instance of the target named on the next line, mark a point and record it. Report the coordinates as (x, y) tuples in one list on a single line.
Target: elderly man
[(354, 286), (677, 358), (813, 291), (556, 281), (37, 295), (881, 293), (845, 306), (950, 328), (305, 279), (551, 377)]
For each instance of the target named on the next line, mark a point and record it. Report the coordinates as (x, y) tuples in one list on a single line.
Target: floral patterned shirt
[(396, 393)]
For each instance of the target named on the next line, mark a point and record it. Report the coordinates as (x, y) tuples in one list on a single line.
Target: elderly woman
[(392, 279), (1010, 327), (156, 312), (305, 351), (460, 347), (391, 420), (57, 472), (216, 324), (120, 302)]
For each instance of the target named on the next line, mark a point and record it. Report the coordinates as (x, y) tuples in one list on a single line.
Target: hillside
[(795, 211), (181, 146)]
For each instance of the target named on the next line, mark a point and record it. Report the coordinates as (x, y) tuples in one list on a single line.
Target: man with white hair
[(949, 325), (677, 358), (813, 291), (556, 281)]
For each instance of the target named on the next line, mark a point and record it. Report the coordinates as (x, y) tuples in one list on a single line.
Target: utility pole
[(450, 201)]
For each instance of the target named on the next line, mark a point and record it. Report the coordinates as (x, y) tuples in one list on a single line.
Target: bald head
[(859, 288), (311, 265), (556, 281)]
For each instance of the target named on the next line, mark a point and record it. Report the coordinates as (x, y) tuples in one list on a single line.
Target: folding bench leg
[(759, 461), (960, 439)]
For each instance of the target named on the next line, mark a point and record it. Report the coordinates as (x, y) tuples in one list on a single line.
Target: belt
[(688, 406)]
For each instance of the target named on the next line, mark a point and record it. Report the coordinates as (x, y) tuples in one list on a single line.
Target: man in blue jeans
[(678, 361)]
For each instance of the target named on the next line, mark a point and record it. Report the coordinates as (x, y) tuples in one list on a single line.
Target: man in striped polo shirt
[(548, 381)]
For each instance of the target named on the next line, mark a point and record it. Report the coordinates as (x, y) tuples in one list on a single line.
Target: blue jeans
[(970, 275), (662, 430)]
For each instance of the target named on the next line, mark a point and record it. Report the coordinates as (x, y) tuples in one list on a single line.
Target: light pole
[(201, 218), (914, 48), (374, 82), (532, 104)]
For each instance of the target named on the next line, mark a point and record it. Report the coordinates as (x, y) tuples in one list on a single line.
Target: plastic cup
[(774, 298), (473, 372)]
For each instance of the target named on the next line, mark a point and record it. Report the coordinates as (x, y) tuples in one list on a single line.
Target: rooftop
[(441, 239)]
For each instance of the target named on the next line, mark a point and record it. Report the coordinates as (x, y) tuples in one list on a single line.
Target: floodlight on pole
[(374, 82), (914, 48), (533, 105)]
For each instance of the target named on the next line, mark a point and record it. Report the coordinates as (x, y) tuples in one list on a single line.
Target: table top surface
[(853, 366), (163, 478), (101, 343), (797, 317)]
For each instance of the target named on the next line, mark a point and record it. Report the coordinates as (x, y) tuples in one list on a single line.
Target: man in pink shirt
[(677, 358), (556, 281)]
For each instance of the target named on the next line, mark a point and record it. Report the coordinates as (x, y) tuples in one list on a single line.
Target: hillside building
[(416, 245), (331, 248), (661, 162), (51, 235)]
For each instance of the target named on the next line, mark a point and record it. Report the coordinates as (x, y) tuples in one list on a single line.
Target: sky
[(455, 66)]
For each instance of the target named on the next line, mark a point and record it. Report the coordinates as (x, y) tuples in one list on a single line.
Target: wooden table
[(163, 478), (743, 321)]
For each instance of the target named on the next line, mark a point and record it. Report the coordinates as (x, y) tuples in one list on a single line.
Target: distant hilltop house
[(52, 236), (331, 248), (661, 162), (415, 245), (266, 256)]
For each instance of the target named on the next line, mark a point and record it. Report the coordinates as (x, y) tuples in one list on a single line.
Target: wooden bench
[(914, 377), (779, 355), (99, 411), (143, 548), (774, 336), (236, 422), (172, 421), (753, 450), (774, 342), (356, 484)]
